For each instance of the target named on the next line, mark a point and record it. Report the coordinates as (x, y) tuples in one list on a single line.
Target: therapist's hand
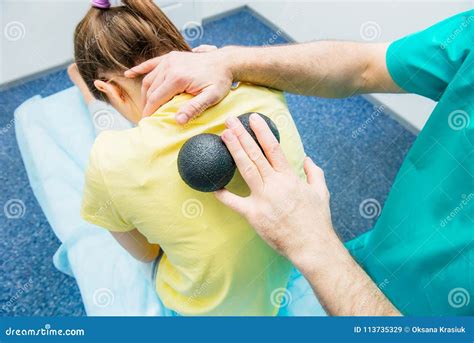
[(290, 214), (293, 217), (203, 73)]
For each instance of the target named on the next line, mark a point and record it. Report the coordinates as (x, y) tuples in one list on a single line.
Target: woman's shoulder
[(246, 97), (255, 90), (114, 150)]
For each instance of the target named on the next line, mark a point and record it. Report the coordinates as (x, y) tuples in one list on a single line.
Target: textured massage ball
[(245, 120), (205, 164)]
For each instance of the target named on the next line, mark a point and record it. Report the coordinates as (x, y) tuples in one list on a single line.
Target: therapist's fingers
[(151, 79), (231, 200), (268, 142), (142, 68), (250, 146), (156, 79), (208, 97), (315, 177), (246, 167), (159, 96)]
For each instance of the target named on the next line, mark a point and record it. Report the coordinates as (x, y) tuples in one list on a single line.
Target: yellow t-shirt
[(214, 263)]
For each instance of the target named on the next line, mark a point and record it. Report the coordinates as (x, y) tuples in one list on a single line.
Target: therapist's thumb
[(201, 102), (231, 200), (315, 176), (142, 68)]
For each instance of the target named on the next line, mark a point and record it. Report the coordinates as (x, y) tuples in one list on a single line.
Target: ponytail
[(152, 14)]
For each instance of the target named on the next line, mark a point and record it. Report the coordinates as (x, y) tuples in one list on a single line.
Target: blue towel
[(55, 135)]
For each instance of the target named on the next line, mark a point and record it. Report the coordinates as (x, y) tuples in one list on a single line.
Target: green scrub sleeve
[(425, 62)]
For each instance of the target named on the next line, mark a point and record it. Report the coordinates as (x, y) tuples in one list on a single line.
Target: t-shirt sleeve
[(97, 204), (425, 62)]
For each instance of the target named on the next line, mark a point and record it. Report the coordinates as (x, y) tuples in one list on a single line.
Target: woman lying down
[(211, 261)]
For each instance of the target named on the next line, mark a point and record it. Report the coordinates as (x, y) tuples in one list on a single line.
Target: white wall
[(343, 19), (371, 21), (212, 8), (38, 34)]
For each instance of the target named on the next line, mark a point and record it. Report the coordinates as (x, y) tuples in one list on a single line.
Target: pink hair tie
[(104, 4), (100, 4)]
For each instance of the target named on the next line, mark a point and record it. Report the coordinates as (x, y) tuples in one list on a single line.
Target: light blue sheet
[(55, 135)]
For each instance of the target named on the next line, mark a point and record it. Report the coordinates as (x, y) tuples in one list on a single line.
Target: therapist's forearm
[(341, 285), (326, 68)]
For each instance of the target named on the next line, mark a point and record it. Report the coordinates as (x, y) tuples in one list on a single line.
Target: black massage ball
[(245, 120), (205, 164)]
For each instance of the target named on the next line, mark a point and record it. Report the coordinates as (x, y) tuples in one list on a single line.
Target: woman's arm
[(293, 216), (137, 245)]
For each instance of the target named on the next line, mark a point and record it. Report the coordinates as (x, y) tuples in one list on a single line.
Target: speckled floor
[(359, 165)]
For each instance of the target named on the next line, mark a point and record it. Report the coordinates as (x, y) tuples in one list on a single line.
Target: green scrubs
[(421, 251)]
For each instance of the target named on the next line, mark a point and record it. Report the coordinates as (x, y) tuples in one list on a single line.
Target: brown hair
[(118, 38)]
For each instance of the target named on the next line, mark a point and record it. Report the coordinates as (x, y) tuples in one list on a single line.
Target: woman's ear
[(118, 97), (111, 91)]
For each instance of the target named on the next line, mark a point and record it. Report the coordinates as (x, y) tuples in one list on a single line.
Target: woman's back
[(213, 263)]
